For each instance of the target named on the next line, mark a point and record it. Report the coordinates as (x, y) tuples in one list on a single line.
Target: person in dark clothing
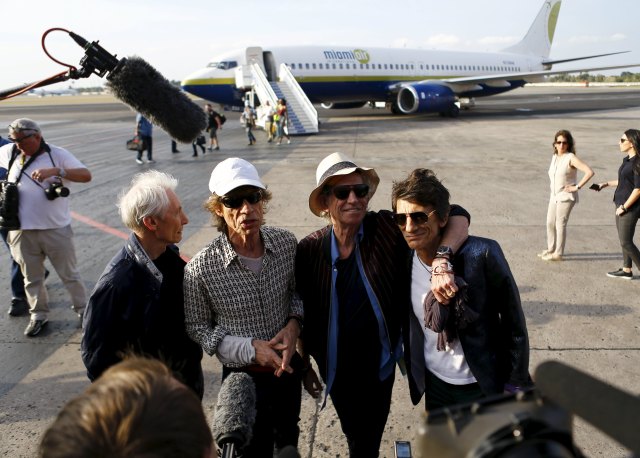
[(137, 306), (350, 277), (626, 197), (477, 345)]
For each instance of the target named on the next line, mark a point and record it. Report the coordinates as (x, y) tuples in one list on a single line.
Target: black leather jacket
[(496, 346)]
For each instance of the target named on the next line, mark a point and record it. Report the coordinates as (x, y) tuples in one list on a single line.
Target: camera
[(56, 190), (9, 206)]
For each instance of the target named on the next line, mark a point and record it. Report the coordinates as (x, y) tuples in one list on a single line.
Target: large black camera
[(9, 206), (56, 190)]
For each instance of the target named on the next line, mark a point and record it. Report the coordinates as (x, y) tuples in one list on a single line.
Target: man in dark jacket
[(137, 305)]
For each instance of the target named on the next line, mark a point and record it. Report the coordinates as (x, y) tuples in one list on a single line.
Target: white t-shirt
[(449, 365), (36, 211)]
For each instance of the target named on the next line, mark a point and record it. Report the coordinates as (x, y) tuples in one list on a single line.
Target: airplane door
[(270, 66), (254, 54)]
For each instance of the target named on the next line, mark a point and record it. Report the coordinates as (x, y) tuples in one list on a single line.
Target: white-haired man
[(137, 306)]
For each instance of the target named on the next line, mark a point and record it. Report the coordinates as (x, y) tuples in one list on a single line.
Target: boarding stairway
[(303, 117)]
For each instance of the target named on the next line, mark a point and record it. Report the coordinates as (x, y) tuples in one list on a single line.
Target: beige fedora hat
[(337, 164)]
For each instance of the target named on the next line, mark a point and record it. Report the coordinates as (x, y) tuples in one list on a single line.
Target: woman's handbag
[(136, 144), (201, 140)]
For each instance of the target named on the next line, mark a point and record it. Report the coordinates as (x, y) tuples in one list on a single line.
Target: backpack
[(223, 118)]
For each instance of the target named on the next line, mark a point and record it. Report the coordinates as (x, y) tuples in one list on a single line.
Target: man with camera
[(42, 226)]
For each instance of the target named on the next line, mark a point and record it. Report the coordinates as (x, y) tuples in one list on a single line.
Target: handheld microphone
[(235, 413), (614, 412)]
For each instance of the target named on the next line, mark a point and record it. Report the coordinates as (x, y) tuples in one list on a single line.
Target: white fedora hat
[(337, 164)]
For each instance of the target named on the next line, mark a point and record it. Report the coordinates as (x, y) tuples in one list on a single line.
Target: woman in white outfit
[(564, 185)]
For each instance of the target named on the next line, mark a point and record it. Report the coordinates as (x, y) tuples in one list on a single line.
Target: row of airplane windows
[(347, 66)]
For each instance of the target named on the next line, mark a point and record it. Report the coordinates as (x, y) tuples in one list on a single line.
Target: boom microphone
[(137, 84), (235, 413), (614, 412), (140, 86)]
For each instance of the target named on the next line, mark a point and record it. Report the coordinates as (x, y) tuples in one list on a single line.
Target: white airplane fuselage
[(343, 75)]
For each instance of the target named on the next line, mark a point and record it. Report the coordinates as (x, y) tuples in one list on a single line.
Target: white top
[(36, 211), (449, 365), (561, 174)]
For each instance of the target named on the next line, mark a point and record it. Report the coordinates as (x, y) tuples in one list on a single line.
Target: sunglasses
[(21, 139), (562, 143), (418, 218), (237, 201), (622, 140), (343, 192)]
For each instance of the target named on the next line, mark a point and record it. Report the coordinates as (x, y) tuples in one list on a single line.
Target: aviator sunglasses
[(237, 201), (343, 192), (418, 218)]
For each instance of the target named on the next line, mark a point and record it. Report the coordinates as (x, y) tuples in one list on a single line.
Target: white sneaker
[(139, 161), (543, 253)]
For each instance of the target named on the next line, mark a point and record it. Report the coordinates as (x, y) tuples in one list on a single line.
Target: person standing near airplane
[(144, 129), (282, 121), (248, 120), (626, 198), (213, 124), (563, 176)]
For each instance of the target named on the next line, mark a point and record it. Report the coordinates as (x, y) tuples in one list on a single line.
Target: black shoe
[(18, 307), (216, 148), (194, 155), (209, 149), (620, 274), (175, 151), (35, 326)]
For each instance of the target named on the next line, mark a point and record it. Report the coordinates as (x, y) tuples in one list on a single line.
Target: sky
[(180, 37)]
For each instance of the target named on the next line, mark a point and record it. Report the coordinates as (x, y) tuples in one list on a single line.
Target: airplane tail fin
[(537, 41)]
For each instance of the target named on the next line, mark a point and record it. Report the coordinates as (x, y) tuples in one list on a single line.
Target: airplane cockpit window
[(223, 65)]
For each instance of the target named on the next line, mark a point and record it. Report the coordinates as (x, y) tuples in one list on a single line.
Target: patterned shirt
[(223, 297)]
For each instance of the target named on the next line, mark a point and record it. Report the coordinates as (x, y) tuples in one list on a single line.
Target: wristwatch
[(444, 251), (62, 172)]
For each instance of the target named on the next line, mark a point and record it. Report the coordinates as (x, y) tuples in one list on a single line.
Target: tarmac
[(494, 162)]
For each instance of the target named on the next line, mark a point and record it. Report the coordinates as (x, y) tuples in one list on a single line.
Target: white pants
[(557, 218), (30, 248)]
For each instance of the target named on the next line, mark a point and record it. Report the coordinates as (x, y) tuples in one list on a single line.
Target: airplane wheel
[(454, 111)]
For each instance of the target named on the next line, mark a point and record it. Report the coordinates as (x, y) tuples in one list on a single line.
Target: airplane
[(54, 91), (406, 80)]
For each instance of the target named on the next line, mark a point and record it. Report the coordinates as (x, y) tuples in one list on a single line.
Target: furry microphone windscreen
[(144, 89), (235, 411)]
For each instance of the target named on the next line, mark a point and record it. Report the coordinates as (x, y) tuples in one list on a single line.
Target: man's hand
[(285, 341), (267, 355), (443, 285), (311, 382)]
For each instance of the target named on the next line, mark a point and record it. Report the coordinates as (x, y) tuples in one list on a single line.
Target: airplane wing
[(466, 84)]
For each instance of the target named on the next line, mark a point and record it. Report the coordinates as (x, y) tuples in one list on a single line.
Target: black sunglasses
[(418, 218), (18, 140), (237, 201), (343, 192)]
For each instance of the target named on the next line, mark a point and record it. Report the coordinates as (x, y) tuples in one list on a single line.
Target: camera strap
[(43, 147)]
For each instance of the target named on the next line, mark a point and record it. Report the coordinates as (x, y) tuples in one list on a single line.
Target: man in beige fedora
[(352, 278)]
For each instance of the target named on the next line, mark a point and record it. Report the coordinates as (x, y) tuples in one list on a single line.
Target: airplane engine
[(427, 98), (343, 106)]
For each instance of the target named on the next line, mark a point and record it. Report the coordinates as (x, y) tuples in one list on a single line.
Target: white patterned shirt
[(222, 297)]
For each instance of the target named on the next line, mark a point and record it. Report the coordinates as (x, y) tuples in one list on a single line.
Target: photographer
[(40, 171)]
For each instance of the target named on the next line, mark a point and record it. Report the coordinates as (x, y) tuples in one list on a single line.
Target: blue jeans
[(17, 280), (626, 225)]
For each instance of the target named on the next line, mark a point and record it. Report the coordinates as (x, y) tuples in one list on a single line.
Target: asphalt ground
[(493, 160)]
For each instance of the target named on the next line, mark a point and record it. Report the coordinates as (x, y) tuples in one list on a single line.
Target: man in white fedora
[(352, 277)]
